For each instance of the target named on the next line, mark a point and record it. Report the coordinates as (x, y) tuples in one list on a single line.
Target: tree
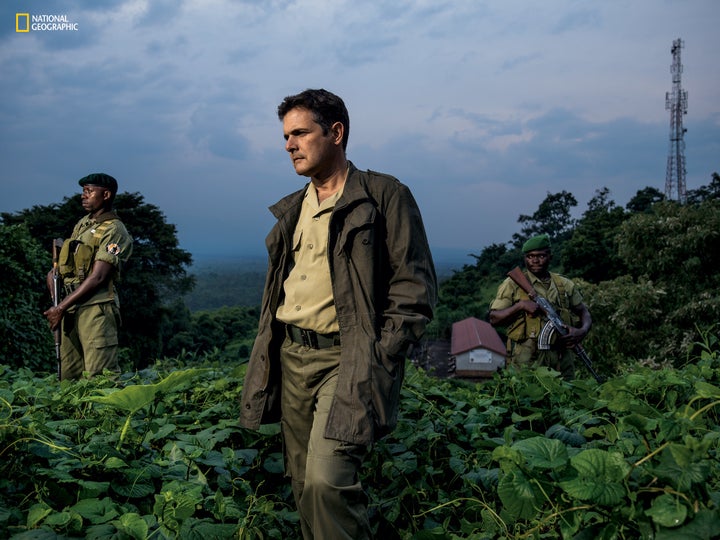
[(25, 338), (153, 278), (591, 251), (705, 193), (676, 248), (552, 218), (644, 200)]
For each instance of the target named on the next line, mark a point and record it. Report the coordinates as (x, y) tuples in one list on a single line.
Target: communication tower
[(676, 102)]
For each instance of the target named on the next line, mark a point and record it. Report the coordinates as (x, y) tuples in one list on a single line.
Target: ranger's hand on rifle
[(531, 307), (99, 276), (502, 317), (54, 315), (573, 337)]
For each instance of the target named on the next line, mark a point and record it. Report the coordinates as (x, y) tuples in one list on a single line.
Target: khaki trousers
[(89, 340), (324, 472)]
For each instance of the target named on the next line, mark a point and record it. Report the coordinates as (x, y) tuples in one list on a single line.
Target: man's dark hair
[(326, 107)]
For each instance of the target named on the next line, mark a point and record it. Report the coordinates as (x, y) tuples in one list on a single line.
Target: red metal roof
[(473, 333)]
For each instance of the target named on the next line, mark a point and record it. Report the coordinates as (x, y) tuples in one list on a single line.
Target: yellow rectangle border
[(18, 16)]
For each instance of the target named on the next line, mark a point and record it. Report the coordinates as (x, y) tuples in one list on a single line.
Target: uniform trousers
[(325, 473), (89, 340)]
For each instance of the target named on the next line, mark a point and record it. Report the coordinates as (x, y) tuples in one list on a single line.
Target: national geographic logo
[(25, 22)]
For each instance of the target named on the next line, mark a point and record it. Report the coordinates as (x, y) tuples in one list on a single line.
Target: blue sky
[(481, 107)]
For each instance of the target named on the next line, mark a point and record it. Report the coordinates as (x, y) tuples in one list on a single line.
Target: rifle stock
[(517, 275), (522, 281)]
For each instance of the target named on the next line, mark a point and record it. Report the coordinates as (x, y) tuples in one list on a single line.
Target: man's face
[(93, 197), (538, 261), (310, 150)]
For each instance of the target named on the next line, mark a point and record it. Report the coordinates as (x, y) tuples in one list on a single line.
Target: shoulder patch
[(113, 249)]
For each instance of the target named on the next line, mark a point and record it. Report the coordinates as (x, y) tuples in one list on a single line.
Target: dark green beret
[(100, 179), (541, 241)]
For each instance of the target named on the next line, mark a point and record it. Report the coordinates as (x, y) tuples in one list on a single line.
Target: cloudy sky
[(481, 107)]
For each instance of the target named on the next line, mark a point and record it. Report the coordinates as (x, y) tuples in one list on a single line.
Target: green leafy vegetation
[(24, 335), (158, 453), (525, 455)]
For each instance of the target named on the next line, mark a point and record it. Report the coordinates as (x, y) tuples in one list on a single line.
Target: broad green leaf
[(707, 390), (104, 531), (131, 398), (71, 521), (7, 396), (667, 511), (274, 463), (636, 381), (37, 513), (269, 429), (597, 491), (569, 436), (90, 489), (159, 433), (212, 458), (114, 463), (597, 463), (246, 455), (134, 490), (543, 453), (679, 466), (507, 453), (177, 501), (518, 496), (599, 479), (516, 418), (96, 511), (195, 529), (134, 397), (133, 525), (405, 463), (705, 524), (176, 379), (621, 402)]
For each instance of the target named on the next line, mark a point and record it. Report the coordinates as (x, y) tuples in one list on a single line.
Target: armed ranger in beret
[(541, 241)]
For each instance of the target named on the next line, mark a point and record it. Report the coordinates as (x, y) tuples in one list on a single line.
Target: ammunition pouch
[(68, 289), (75, 260), (524, 327)]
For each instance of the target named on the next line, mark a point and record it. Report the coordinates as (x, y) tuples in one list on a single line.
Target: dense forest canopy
[(648, 272)]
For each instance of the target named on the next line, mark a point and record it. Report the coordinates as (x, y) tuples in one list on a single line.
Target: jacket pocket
[(358, 231), (387, 376)]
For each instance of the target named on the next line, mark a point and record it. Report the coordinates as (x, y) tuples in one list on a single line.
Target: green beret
[(100, 179), (541, 241)]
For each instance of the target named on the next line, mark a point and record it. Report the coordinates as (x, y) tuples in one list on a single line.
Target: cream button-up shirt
[(308, 299)]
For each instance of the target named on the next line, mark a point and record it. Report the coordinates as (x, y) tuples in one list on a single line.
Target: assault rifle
[(57, 244), (554, 322)]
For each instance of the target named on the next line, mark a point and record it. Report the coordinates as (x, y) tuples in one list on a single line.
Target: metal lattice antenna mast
[(676, 102)]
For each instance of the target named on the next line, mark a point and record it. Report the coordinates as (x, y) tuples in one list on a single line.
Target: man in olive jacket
[(350, 286)]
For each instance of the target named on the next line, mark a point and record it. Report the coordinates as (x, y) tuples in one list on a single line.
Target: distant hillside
[(238, 281), (228, 282)]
